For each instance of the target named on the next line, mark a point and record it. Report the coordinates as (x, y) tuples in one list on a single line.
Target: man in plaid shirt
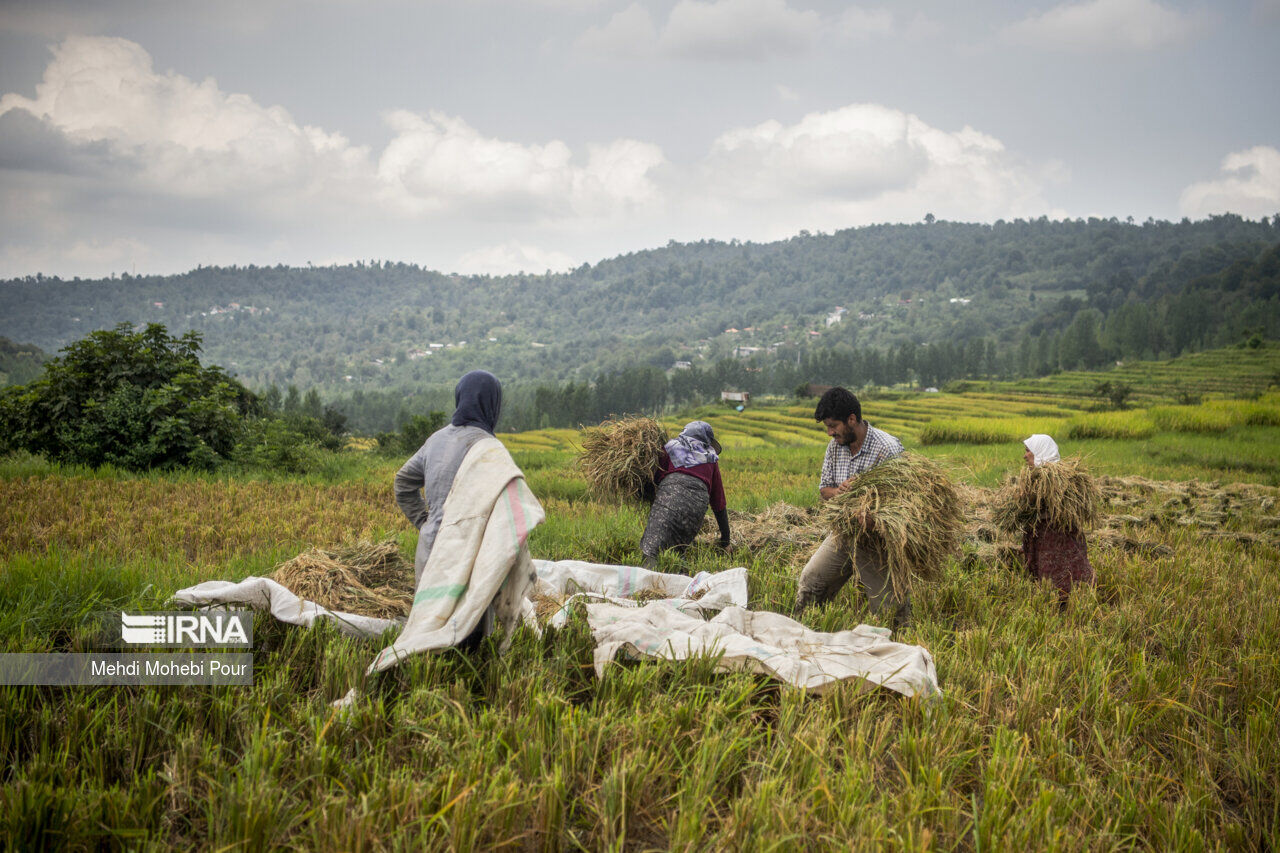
[(855, 447)]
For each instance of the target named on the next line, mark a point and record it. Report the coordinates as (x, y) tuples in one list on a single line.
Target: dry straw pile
[(371, 579), (1060, 494), (779, 526), (620, 456), (909, 509)]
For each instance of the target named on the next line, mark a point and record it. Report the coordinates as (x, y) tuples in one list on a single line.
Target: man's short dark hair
[(837, 403)]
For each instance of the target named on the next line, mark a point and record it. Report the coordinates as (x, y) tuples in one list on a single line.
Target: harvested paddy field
[(1144, 714)]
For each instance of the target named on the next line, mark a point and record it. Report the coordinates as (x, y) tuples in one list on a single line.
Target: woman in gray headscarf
[(478, 402), (688, 482)]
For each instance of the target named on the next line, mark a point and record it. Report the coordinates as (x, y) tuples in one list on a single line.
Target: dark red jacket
[(708, 473), (1059, 556)]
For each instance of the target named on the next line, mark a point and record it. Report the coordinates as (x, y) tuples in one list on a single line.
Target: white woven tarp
[(764, 642), (572, 580), (566, 580)]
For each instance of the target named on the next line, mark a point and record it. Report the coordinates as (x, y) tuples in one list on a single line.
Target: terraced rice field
[(1144, 715)]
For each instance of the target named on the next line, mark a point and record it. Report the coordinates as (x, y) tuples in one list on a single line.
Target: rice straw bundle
[(908, 508), (779, 525), (545, 606), (1060, 494), (620, 456), (371, 579)]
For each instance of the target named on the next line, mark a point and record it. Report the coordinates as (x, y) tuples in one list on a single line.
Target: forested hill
[(1026, 296)]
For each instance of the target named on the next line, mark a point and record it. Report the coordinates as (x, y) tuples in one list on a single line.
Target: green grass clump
[(989, 430), (1191, 419), (1265, 411), (1128, 424)]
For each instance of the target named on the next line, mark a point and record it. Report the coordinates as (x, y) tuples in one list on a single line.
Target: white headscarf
[(1043, 448)]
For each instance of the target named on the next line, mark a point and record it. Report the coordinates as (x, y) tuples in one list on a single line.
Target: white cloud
[(629, 34), (120, 254), (567, 5), (752, 30), (867, 163), (786, 93), (437, 162), (737, 29), (183, 138), (1104, 24), (512, 257), (1249, 186), (921, 27), (179, 136), (857, 22), (112, 163), (112, 148)]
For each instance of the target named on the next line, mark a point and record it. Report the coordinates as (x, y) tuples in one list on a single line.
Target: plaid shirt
[(839, 464)]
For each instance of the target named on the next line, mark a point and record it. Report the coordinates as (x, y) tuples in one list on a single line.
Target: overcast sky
[(500, 135)]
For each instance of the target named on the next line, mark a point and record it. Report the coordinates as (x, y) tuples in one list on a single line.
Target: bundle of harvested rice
[(370, 579), (908, 508), (545, 606), (620, 456), (1060, 494)]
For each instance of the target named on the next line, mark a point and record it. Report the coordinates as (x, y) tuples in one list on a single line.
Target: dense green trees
[(140, 399), (19, 363), (133, 399)]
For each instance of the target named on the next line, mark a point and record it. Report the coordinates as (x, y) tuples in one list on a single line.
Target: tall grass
[(1128, 424), (1265, 411), (1191, 418), (984, 430)]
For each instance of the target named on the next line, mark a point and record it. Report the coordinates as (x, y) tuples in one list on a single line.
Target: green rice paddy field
[(1144, 715)]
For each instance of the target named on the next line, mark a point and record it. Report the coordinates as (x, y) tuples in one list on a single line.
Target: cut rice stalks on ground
[(1062, 495), (369, 579), (620, 456), (909, 509), (779, 526)]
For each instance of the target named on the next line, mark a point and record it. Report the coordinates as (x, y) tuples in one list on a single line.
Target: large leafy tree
[(136, 399)]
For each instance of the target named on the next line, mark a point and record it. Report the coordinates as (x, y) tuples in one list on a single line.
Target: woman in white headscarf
[(1059, 556), (688, 483)]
